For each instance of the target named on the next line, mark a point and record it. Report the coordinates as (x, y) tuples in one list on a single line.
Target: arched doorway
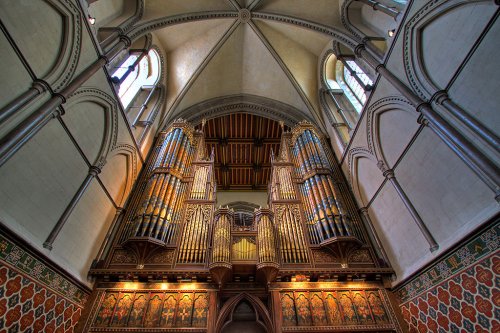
[(244, 313), (243, 320)]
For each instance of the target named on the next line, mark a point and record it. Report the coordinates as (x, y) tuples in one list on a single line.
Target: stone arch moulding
[(418, 76), (348, 40), (65, 66), (88, 94), (259, 308), (131, 154), (387, 104), (344, 18), (354, 155), (257, 105)]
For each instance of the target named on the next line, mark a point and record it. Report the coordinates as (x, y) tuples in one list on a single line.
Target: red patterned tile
[(27, 292), (496, 265), (39, 324), (433, 301), (3, 306), (59, 308), (455, 317), (12, 316), (468, 312), (469, 283), (456, 290), (443, 321), (26, 320), (444, 296), (484, 306), (484, 276), (50, 303), (13, 286), (3, 275), (51, 327), (39, 298), (432, 325)]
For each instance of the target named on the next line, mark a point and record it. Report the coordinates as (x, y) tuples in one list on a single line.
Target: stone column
[(93, 172), (37, 88), (109, 236), (18, 136), (383, 8), (389, 175), (442, 98), (485, 168), (372, 233)]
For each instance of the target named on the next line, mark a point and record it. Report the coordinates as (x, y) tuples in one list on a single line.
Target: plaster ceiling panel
[(262, 74), (222, 74), (312, 41), (326, 12), (175, 36), (242, 65), (301, 63), (245, 3), (160, 8), (186, 58)]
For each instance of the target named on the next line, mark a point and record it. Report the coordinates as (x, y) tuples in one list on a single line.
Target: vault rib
[(288, 74), (199, 70)]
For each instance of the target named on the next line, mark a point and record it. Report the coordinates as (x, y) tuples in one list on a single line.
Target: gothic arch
[(65, 61), (350, 41), (344, 17), (387, 104), (130, 153), (414, 63), (99, 97), (354, 155), (257, 105), (260, 309)]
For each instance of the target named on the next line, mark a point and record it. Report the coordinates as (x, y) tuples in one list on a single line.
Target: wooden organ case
[(174, 262)]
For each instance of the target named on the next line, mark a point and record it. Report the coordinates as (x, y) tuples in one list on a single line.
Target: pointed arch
[(374, 112), (355, 154), (260, 310), (108, 103)]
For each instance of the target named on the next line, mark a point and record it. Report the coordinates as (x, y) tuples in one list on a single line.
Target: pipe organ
[(328, 224), (176, 262)]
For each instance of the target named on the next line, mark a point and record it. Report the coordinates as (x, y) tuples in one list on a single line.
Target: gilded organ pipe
[(199, 205), (161, 191), (329, 225)]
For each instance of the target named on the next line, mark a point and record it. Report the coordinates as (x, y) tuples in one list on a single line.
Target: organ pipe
[(153, 217), (199, 205), (319, 188)]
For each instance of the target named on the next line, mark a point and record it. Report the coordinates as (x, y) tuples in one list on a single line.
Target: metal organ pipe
[(321, 195)]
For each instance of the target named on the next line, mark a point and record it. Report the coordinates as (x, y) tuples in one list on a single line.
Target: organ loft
[(178, 261)]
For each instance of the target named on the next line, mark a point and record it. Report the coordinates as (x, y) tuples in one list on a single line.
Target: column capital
[(357, 50), (422, 120), (125, 39), (94, 170), (386, 172), (41, 86), (439, 97)]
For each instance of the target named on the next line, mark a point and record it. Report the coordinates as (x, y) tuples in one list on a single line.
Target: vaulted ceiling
[(228, 48), (259, 57)]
